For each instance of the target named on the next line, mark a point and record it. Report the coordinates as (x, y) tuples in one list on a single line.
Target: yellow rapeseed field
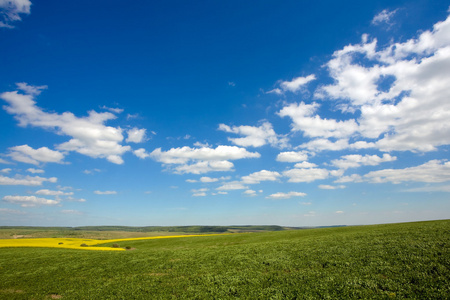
[(74, 243)]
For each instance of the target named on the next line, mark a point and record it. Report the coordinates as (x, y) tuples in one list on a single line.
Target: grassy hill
[(393, 261)]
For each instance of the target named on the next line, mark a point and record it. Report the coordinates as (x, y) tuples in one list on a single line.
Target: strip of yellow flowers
[(71, 243)]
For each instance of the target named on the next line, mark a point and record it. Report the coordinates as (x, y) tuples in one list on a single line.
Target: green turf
[(396, 261)]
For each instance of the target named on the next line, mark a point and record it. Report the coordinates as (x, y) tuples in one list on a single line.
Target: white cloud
[(202, 160), (6, 170), (35, 171), (70, 198), (141, 153), (105, 192), (277, 91), (331, 187), (234, 185), (25, 180), (356, 160), (384, 16), (136, 135), (199, 192), (191, 180), (339, 212), (292, 156), (289, 195), (89, 135), (2, 161), (31, 89), (255, 136), (350, 178), (262, 175), (28, 155), (306, 175), (202, 167), (305, 165), (431, 171), (47, 192), (391, 98), (410, 112), (114, 110), (185, 154), (250, 193), (10, 11), (29, 201), (297, 83), (208, 179), (305, 119), (92, 171)]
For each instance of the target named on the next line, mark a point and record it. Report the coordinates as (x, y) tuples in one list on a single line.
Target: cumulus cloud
[(6, 170), (11, 11), (202, 167), (391, 98), (292, 156), (89, 135), (206, 179), (136, 135), (305, 165), (289, 195), (255, 136), (141, 153), (29, 201), (202, 160), (306, 175), (305, 119), (262, 175), (356, 160), (26, 180), (26, 154)]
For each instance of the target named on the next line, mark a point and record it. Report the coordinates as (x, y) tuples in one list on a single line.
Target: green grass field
[(394, 261)]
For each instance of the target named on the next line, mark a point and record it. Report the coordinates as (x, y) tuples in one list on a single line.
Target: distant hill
[(185, 229)]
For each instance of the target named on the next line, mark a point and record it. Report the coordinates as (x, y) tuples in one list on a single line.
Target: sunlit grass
[(392, 261)]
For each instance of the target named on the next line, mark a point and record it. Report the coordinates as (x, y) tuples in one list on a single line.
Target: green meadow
[(392, 261)]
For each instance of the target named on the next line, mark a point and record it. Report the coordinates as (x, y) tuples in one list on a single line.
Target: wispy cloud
[(29, 201), (26, 180), (10, 11), (282, 195), (105, 192)]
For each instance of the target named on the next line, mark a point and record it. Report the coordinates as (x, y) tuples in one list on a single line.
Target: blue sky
[(295, 113)]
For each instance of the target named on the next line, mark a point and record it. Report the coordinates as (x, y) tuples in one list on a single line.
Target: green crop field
[(393, 261)]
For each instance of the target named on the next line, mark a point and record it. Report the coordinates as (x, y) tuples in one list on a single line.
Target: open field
[(118, 232), (80, 243), (393, 261)]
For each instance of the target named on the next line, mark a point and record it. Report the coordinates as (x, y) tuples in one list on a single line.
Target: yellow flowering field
[(74, 243)]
